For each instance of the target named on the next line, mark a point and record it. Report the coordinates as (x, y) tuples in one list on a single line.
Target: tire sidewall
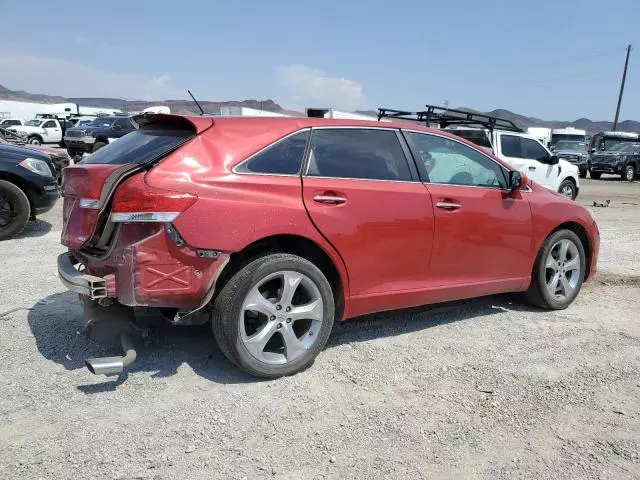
[(22, 205), (34, 141), (251, 275), (626, 173), (540, 273), (573, 188)]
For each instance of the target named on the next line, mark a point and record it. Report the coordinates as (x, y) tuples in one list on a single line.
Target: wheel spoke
[(562, 252), (551, 263), (311, 311), (290, 283), (256, 342), (573, 264), (257, 303), (566, 286), (293, 347), (552, 285)]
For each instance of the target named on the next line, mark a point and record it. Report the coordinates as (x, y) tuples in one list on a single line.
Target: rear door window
[(140, 146), (358, 153), (511, 146)]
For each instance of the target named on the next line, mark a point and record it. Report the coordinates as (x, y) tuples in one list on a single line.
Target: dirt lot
[(479, 389)]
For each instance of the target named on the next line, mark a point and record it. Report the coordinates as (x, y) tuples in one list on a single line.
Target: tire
[(97, 146), (629, 173), (235, 325), (34, 140), (595, 175), (568, 189), (539, 293), (14, 210), (582, 174)]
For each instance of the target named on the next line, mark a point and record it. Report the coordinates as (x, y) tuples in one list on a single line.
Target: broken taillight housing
[(136, 201)]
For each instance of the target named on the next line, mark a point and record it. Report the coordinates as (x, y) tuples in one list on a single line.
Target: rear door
[(530, 157), (483, 233), (364, 196)]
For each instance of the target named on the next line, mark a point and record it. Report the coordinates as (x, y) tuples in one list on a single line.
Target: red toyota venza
[(271, 229)]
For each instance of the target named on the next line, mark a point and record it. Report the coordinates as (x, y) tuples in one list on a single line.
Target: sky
[(551, 59)]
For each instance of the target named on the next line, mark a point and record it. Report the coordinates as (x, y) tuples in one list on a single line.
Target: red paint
[(390, 243)]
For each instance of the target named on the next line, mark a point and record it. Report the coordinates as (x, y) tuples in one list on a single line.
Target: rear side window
[(140, 146), (282, 158), (367, 154), (49, 124), (511, 146)]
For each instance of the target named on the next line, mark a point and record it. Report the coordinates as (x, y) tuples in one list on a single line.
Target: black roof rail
[(445, 117)]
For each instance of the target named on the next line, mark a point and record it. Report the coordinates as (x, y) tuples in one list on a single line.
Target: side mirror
[(515, 180), (554, 160)]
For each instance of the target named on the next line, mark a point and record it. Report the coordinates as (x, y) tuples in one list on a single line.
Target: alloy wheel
[(567, 191), (563, 269), (281, 317)]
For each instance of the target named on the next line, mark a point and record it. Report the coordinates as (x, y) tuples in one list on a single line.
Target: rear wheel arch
[(294, 245)]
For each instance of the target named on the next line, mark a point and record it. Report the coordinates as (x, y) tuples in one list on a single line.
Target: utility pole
[(624, 78)]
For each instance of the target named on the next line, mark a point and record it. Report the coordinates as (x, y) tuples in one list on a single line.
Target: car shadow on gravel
[(57, 326), (35, 228)]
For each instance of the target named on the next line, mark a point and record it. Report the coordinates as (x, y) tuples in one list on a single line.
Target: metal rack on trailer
[(449, 117)]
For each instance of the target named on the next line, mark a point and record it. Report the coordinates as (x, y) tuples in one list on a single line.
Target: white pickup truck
[(40, 131), (527, 155)]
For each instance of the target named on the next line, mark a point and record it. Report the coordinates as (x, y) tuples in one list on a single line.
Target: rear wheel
[(274, 316), (97, 146), (568, 189), (14, 210), (629, 173), (558, 272), (595, 175)]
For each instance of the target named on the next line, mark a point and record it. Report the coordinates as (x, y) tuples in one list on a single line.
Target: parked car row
[(270, 229)]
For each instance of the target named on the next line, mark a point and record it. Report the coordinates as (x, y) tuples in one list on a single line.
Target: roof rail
[(446, 117)]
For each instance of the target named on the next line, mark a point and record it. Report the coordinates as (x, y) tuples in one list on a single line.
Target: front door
[(531, 158), (365, 198), (483, 232)]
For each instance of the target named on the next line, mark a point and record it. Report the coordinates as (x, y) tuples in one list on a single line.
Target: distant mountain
[(181, 107), (524, 122), (184, 107)]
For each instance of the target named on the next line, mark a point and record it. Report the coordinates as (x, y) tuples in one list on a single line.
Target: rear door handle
[(448, 205), (532, 168), (329, 199)]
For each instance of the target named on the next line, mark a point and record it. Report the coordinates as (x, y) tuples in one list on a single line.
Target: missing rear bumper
[(78, 282)]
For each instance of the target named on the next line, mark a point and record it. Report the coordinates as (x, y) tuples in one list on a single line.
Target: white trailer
[(29, 110), (542, 134), (248, 112), (568, 133), (339, 114)]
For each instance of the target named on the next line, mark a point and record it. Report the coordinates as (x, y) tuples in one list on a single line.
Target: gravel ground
[(478, 389)]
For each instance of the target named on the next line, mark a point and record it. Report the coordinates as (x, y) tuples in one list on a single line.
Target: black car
[(622, 159), (28, 187), (573, 151), (97, 134)]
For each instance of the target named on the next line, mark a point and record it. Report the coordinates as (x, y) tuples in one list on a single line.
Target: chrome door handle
[(448, 205), (331, 199)]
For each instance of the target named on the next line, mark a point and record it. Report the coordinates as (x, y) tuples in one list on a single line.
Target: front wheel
[(97, 146), (274, 316), (34, 141), (568, 189), (14, 210), (595, 175), (583, 174), (558, 271), (629, 173)]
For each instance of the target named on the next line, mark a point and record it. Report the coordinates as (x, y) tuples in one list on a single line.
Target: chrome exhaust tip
[(113, 365)]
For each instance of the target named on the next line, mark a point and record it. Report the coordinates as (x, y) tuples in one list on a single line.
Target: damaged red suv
[(271, 229)]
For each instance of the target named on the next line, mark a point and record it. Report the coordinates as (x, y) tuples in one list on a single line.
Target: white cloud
[(54, 76), (312, 87)]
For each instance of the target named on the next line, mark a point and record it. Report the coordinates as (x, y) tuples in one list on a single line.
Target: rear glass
[(140, 146)]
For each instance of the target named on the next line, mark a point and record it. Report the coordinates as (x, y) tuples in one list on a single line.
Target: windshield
[(609, 143), (624, 147), (570, 145), (557, 137), (102, 122), (34, 123)]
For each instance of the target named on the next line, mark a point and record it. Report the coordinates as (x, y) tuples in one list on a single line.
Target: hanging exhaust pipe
[(113, 365)]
